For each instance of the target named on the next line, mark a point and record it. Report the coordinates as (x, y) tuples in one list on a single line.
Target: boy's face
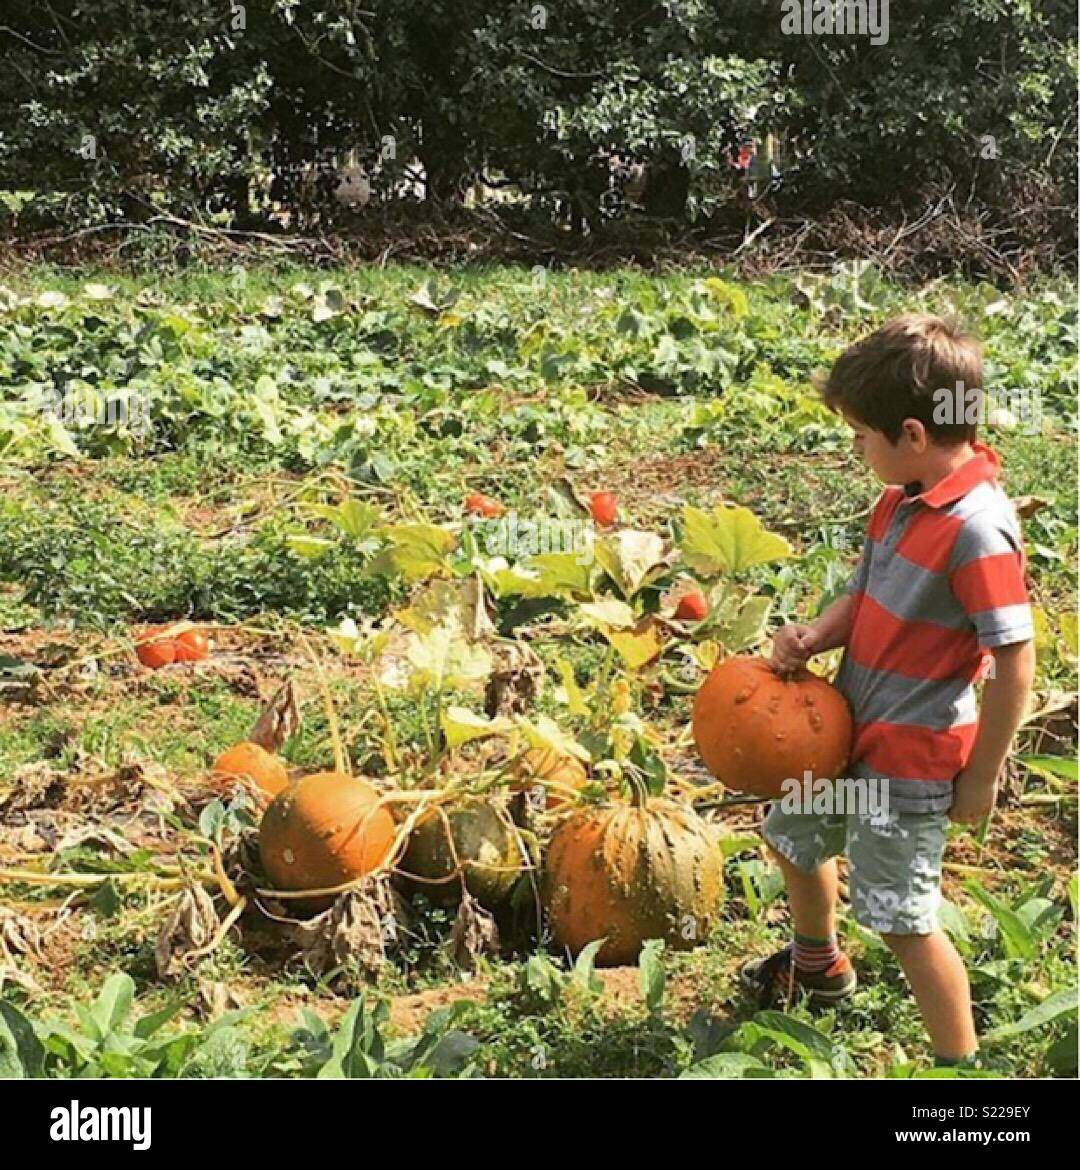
[(897, 462)]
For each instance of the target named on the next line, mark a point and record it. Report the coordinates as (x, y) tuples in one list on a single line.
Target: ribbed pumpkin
[(556, 773), (629, 873), (323, 831), (484, 844), (249, 761), (755, 730)]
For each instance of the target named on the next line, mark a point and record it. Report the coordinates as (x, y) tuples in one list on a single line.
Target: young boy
[(937, 602)]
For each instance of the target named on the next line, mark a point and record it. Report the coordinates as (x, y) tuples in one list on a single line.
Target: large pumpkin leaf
[(728, 539), (548, 575), (415, 551)]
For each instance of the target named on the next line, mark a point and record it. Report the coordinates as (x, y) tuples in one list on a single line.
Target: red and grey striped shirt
[(939, 584)]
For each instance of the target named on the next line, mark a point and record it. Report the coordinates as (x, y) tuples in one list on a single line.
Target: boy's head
[(907, 390)]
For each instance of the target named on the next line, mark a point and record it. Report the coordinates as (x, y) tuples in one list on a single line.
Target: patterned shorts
[(894, 859)]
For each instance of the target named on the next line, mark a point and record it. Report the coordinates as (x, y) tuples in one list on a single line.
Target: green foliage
[(210, 111)]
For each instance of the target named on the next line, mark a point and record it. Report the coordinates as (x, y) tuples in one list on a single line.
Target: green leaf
[(1061, 1003), (728, 539), (1017, 937), (799, 1037), (584, 974), (415, 552), (114, 1002), (725, 1066), (748, 627), (651, 974), (732, 843), (22, 1054), (442, 661), (609, 611), (1063, 766), (548, 575)]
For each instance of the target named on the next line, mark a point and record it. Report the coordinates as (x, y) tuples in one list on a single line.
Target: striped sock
[(815, 954)]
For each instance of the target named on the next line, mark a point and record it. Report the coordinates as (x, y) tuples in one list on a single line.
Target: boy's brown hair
[(900, 372)]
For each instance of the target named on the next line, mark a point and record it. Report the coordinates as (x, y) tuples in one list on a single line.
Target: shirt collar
[(983, 467)]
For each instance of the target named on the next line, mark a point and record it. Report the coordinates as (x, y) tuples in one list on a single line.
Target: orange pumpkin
[(192, 646), (554, 772), (755, 730), (249, 761), (153, 649), (323, 831), (628, 873)]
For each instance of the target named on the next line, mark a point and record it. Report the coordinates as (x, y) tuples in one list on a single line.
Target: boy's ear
[(915, 433)]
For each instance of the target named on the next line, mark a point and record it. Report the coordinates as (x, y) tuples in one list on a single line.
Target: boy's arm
[(1004, 702), (794, 644)]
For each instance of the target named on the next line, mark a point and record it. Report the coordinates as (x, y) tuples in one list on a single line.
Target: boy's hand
[(974, 794), (792, 646)]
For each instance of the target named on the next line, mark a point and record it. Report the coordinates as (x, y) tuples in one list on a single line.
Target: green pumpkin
[(485, 846)]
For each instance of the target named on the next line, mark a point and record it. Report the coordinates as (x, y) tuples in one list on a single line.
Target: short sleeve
[(859, 578), (986, 575)]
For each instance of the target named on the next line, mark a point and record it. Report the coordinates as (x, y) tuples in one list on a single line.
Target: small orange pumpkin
[(755, 730), (554, 772), (192, 646), (323, 831), (249, 761), (628, 873), (153, 649)]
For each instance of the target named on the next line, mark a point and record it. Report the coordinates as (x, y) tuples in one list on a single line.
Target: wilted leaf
[(546, 733), (442, 661), (460, 725), (638, 646), (630, 557), (609, 611)]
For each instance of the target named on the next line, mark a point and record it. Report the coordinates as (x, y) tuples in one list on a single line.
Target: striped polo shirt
[(939, 584)]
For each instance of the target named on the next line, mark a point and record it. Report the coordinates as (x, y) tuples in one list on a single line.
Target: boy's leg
[(940, 985), (895, 890), (812, 895), (805, 845)]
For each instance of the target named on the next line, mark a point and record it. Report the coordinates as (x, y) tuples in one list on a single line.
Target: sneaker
[(777, 976)]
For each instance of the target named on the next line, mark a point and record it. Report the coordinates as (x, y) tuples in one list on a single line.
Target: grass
[(648, 386)]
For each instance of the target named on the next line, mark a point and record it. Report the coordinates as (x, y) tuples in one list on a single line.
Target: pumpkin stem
[(639, 789), (341, 761)]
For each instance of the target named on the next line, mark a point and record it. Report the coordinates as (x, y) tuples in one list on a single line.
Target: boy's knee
[(905, 943)]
